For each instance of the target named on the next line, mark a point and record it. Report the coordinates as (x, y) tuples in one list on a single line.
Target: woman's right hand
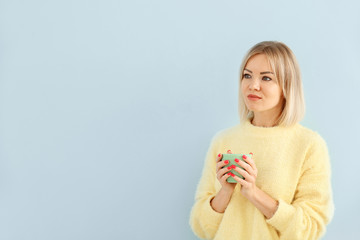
[(221, 173), (220, 202)]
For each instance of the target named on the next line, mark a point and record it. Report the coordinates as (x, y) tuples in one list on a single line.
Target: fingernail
[(244, 157), (219, 155), (233, 175), (236, 160), (229, 150), (233, 166), (229, 173), (226, 161), (229, 167), (251, 153)]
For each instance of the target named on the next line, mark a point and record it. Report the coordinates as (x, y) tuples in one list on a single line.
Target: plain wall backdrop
[(107, 108)]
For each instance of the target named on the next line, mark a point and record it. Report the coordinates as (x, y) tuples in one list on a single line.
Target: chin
[(253, 109)]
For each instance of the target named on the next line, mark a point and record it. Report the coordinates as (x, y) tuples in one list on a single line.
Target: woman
[(286, 191)]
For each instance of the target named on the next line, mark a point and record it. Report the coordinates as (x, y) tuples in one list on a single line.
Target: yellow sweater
[(293, 167)]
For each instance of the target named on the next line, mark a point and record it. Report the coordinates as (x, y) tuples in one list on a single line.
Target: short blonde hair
[(286, 68)]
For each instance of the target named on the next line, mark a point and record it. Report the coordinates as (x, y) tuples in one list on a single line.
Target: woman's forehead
[(258, 63)]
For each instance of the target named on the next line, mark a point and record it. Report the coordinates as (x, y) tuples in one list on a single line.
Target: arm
[(312, 207), (204, 220), (262, 201), (266, 204), (221, 200)]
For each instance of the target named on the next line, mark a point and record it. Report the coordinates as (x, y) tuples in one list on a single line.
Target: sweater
[(293, 168)]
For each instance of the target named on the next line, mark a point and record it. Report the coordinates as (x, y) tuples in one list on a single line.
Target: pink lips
[(253, 97)]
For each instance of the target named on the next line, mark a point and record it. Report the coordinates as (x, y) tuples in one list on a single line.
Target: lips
[(253, 96)]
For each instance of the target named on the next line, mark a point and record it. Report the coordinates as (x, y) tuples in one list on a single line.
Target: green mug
[(231, 158)]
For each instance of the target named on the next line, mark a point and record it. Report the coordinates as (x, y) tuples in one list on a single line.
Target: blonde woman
[(286, 191)]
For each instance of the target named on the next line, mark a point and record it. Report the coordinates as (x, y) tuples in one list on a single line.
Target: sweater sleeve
[(204, 220), (312, 207)]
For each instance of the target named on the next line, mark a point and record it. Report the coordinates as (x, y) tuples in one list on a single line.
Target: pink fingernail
[(219, 155), (233, 166), (244, 157), (236, 160), (229, 168), (226, 161)]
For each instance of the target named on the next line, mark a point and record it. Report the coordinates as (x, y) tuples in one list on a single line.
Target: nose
[(254, 84)]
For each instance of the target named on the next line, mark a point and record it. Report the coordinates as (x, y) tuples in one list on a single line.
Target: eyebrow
[(260, 73)]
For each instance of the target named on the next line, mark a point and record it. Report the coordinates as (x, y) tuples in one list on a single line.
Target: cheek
[(273, 92), (276, 96), (242, 86)]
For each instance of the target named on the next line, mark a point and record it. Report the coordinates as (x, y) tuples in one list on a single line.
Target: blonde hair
[(286, 68)]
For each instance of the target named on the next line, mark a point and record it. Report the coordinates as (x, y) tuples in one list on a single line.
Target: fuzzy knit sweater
[(293, 168)]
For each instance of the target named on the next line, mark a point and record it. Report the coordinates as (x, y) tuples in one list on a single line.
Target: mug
[(233, 160)]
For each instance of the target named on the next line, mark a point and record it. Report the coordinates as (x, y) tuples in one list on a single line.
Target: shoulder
[(226, 133), (316, 150), (312, 137)]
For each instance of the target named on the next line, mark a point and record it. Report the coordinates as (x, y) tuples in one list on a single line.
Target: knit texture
[(293, 168)]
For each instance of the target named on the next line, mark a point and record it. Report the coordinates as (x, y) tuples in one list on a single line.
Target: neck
[(265, 120)]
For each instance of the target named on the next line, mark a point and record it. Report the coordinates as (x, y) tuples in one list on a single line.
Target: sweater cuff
[(282, 216)]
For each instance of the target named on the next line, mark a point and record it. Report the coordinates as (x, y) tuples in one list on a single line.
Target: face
[(259, 79)]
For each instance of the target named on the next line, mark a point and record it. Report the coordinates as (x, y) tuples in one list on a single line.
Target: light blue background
[(107, 108)]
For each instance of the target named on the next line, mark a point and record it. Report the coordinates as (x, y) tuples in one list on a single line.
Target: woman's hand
[(221, 173), (220, 202), (248, 186)]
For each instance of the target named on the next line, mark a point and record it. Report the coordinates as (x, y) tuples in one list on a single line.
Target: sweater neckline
[(265, 131)]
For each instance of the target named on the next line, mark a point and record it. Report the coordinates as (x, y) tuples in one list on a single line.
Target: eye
[(266, 78), (246, 75)]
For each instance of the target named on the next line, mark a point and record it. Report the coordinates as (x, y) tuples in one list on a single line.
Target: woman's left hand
[(248, 186)]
